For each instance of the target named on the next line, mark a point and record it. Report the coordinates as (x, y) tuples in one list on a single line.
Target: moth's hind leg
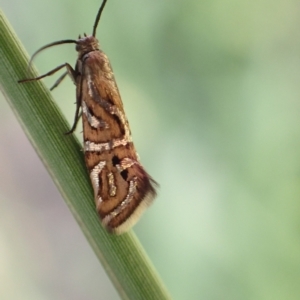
[(75, 76), (78, 115)]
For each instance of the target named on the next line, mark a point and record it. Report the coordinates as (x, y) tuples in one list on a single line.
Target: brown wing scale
[(122, 187)]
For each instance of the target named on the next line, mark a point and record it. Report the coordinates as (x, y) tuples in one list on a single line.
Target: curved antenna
[(98, 17), (48, 46)]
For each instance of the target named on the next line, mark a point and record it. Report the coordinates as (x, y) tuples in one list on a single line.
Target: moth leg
[(77, 79), (76, 119), (70, 71), (78, 113), (59, 80), (69, 68)]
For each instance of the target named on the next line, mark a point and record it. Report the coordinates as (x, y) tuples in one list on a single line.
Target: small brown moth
[(122, 187)]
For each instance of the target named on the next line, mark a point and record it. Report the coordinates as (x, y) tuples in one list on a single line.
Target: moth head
[(83, 45), (89, 43), (86, 44)]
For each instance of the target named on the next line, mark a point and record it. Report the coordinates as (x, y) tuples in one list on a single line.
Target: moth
[(122, 187)]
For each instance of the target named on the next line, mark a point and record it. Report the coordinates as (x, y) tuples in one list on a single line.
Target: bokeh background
[(212, 92)]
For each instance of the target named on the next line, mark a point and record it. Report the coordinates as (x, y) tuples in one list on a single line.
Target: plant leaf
[(122, 256)]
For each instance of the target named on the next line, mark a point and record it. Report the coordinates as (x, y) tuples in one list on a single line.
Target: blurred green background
[(212, 93)]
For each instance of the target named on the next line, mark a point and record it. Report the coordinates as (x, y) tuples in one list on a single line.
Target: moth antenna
[(85, 34), (79, 37), (48, 46), (98, 17)]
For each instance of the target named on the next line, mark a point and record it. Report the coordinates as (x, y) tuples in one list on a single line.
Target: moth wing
[(123, 189)]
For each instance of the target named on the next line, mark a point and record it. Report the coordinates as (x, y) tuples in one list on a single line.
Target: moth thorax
[(86, 44)]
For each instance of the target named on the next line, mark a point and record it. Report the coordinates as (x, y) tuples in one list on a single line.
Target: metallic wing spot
[(120, 142), (111, 184), (123, 204), (99, 200), (125, 164), (90, 83), (100, 147), (94, 175), (93, 121)]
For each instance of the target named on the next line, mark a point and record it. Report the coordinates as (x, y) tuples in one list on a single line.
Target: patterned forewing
[(122, 187)]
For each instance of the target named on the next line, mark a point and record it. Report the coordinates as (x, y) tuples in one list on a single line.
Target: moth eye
[(116, 160)]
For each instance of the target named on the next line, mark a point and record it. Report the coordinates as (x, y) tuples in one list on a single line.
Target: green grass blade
[(122, 256)]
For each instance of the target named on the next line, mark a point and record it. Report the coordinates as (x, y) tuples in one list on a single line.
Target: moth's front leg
[(70, 71)]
